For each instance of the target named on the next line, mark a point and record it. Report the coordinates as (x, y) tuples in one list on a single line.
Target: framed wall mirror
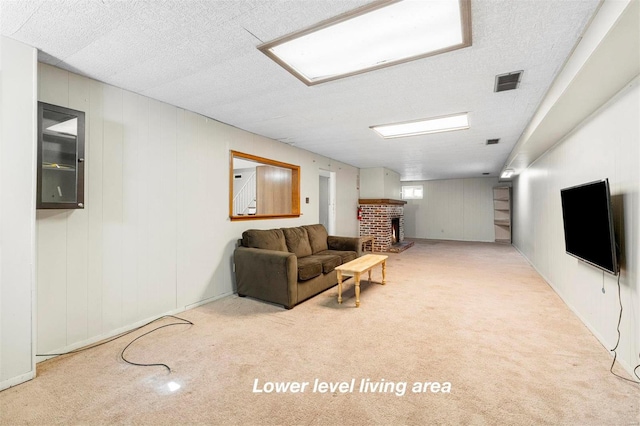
[(261, 188)]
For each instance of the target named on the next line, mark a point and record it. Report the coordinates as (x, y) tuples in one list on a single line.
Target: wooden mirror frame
[(295, 186)]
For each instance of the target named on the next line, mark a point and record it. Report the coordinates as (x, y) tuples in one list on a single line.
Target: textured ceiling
[(202, 56)]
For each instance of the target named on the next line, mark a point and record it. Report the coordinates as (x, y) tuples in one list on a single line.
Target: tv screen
[(588, 224)]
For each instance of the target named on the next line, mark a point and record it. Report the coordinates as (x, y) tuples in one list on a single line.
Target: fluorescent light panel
[(507, 174), (423, 127), (374, 36)]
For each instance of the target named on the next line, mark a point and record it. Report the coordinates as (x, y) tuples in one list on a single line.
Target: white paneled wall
[(392, 186), (17, 219), (379, 182), (453, 209), (606, 145), (478, 210), (154, 236)]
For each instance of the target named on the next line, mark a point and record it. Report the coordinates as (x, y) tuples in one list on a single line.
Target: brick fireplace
[(378, 217)]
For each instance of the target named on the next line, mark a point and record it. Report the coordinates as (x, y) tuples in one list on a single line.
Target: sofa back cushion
[(268, 239), (317, 237), (297, 241)]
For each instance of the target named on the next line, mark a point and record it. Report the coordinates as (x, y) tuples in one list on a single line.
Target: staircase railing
[(245, 197)]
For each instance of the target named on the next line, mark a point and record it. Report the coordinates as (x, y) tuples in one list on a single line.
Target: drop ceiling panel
[(202, 56)]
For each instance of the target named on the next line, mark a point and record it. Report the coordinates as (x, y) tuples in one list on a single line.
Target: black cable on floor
[(615, 354), (184, 322), (148, 332)]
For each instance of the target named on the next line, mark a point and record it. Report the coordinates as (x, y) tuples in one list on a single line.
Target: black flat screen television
[(588, 224)]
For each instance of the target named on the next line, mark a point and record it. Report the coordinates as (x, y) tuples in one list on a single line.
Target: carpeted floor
[(472, 316)]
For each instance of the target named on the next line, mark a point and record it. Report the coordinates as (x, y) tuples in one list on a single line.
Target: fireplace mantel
[(382, 201)]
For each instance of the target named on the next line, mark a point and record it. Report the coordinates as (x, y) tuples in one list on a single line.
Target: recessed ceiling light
[(422, 127), (374, 36), (507, 174)]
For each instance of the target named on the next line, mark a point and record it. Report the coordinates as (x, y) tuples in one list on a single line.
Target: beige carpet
[(475, 315)]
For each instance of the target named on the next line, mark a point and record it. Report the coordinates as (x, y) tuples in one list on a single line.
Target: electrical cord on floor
[(184, 322), (615, 354), (148, 332)]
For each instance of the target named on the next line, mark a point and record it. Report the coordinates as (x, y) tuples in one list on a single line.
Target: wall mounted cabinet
[(60, 157)]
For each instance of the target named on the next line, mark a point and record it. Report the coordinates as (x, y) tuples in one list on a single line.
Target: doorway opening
[(327, 200)]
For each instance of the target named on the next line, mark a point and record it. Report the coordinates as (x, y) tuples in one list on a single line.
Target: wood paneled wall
[(273, 190)]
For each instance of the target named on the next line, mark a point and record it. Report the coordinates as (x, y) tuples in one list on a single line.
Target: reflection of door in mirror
[(273, 190)]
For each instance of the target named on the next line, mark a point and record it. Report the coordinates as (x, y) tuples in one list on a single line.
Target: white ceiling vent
[(508, 81)]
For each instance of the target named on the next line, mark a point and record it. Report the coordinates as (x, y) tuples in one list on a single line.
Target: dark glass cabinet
[(60, 157)]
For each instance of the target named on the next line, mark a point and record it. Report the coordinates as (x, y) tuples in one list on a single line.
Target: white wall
[(18, 122), (392, 185), (379, 182), (155, 235), (605, 145), (453, 209), (372, 183)]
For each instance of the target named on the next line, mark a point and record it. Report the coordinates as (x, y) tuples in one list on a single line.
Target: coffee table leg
[(369, 276), (357, 289), (384, 272), (339, 286)]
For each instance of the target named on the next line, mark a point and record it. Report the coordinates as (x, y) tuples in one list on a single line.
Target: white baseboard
[(17, 380), (601, 339), (209, 300), (125, 328)]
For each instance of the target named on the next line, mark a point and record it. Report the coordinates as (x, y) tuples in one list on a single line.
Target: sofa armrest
[(267, 275), (345, 244)]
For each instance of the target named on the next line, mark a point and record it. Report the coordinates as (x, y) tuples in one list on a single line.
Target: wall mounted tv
[(588, 224)]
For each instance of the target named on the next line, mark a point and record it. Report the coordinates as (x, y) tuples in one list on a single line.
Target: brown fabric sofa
[(286, 266)]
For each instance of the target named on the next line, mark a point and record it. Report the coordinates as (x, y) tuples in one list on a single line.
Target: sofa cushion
[(328, 261), (317, 237), (308, 268), (268, 239), (345, 256), (297, 241)]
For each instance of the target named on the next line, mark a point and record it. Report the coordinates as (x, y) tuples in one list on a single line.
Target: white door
[(327, 200)]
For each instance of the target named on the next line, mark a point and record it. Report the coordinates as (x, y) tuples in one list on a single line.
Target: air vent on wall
[(508, 81), (492, 141)]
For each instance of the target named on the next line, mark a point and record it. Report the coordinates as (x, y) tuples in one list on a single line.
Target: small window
[(413, 192)]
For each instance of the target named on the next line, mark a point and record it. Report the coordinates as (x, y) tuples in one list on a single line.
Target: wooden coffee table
[(356, 267)]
